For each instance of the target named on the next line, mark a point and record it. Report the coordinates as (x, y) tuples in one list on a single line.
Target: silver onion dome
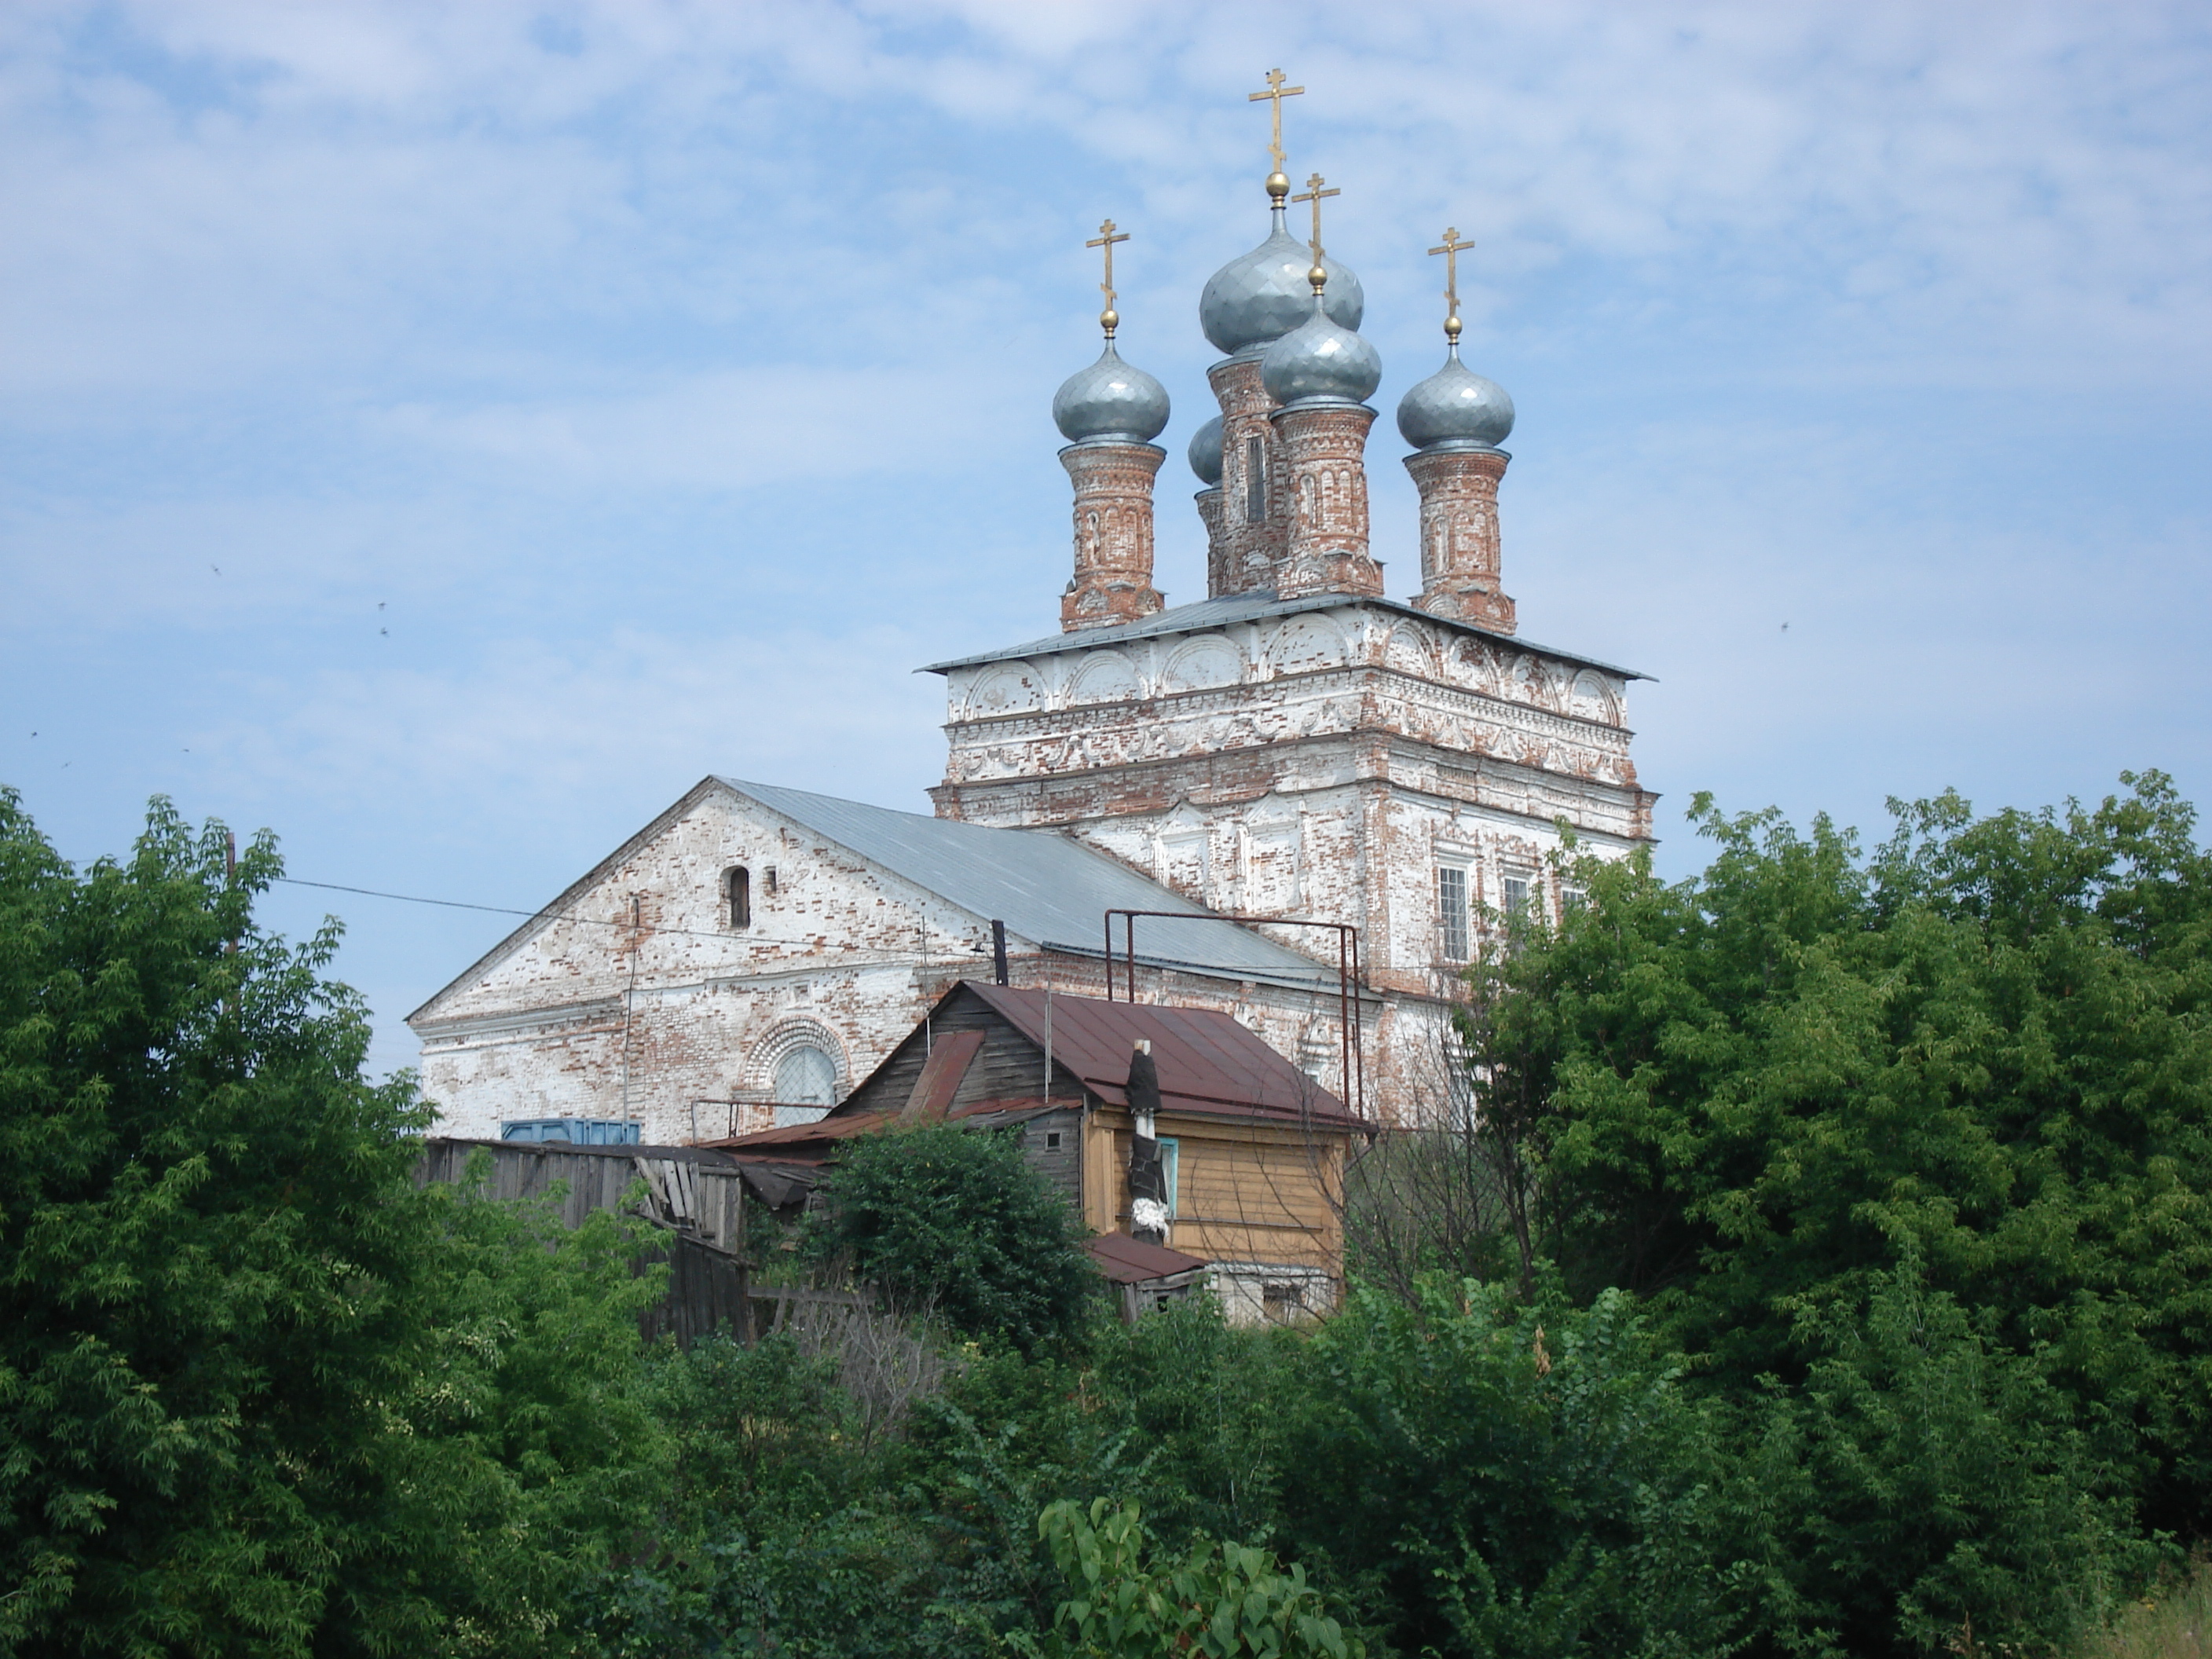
[(1110, 401), (1206, 453), (1262, 295), (1321, 361), (1455, 406)]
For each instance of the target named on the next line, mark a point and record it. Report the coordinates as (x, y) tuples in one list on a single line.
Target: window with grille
[(805, 1087), (1451, 904)]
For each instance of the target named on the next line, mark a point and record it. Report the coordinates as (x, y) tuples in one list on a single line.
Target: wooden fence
[(693, 1197)]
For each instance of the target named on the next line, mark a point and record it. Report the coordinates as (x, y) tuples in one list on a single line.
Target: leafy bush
[(1125, 1602), (1924, 1489), (1490, 1478), (954, 1224)]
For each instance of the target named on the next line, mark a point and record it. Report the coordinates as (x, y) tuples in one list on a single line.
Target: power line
[(747, 937), (410, 898)]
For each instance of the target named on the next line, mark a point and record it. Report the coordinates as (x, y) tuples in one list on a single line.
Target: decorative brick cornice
[(1113, 580)]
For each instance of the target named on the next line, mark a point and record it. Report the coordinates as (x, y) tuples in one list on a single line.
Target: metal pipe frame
[(1352, 1062)]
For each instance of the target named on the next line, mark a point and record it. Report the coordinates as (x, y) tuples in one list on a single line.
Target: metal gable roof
[(1207, 1063), (1045, 886), (1250, 607)]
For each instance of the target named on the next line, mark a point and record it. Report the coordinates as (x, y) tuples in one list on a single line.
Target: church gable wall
[(832, 961)]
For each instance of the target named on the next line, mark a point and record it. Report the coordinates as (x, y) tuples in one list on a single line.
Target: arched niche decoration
[(1410, 651), (1592, 699), (1008, 688), (1307, 643), (1203, 664), (1104, 677)]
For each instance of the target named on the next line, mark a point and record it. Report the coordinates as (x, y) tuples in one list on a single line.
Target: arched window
[(737, 889), (805, 1087), (1256, 482)]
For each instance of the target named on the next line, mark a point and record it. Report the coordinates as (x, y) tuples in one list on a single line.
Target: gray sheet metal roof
[(1045, 886), (1248, 607)]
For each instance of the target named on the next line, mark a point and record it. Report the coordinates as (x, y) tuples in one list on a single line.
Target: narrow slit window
[(1256, 482), (1451, 904), (738, 884)]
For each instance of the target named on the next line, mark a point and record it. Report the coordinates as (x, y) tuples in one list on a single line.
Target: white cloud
[(291, 188), (526, 728)]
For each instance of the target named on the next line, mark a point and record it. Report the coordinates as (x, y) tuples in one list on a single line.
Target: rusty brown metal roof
[(1207, 1063), (1127, 1261), (810, 1142)]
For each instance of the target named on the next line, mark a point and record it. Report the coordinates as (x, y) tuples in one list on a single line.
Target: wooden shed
[(1250, 1151), (694, 1197)]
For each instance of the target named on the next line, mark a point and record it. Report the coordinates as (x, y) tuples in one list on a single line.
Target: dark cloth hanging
[(1148, 1178)]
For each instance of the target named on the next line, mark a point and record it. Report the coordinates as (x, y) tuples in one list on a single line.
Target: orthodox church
[(1373, 777)]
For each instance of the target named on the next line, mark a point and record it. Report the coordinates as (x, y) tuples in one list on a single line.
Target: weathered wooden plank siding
[(1241, 1194), (1051, 1141), (707, 1283)]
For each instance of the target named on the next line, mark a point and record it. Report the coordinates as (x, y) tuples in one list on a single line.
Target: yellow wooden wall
[(1244, 1192)]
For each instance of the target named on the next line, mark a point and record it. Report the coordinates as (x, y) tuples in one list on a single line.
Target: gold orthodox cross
[(1315, 194), (1275, 94), (1106, 238), (1451, 249)]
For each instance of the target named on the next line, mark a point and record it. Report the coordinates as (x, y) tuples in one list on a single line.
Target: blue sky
[(443, 433)]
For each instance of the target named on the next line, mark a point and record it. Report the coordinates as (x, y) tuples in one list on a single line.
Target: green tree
[(954, 1224), (1752, 1097), (259, 1394)]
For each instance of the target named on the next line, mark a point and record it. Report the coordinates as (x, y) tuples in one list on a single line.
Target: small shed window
[(1451, 907), (737, 889)]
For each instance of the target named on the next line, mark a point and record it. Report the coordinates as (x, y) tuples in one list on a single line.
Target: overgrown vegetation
[(957, 1227), (257, 1392), (1824, 1273)]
